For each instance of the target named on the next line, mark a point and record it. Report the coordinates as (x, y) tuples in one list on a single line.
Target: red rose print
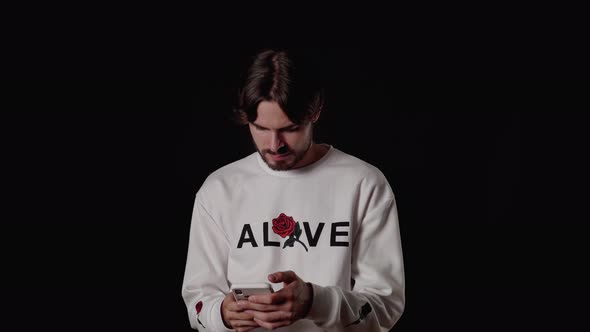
[(283, 225), (286, 226), (199, 307)]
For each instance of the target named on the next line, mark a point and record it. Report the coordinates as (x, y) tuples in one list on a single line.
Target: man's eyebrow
[(287, 127)]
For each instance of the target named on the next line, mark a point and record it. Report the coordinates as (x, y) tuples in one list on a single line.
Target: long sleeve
[(205, 281), (377, 299)]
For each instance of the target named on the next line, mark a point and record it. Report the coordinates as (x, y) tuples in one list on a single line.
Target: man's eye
[(293, 129)]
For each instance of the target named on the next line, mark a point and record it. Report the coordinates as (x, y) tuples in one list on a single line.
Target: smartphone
[(243, 291)]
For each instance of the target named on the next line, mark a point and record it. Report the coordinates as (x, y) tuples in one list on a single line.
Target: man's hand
[(235, 317), (282, 308)]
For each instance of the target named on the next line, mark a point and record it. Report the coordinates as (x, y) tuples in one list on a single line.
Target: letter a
[(250, 238)]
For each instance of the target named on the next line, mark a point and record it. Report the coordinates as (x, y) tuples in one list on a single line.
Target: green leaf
[(289, 242), (297, 230)]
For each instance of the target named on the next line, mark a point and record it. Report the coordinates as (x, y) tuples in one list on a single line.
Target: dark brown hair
[(291, 79)]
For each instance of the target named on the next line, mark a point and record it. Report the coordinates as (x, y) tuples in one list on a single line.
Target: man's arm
[(205, 282), (377, 299)]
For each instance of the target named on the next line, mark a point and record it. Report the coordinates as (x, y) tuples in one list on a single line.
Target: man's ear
[(316, 117)]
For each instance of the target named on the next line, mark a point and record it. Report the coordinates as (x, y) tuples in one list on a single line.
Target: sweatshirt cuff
[(320, 309), (215, 316)]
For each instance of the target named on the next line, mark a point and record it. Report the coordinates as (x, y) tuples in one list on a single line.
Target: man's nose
[(276, 142)]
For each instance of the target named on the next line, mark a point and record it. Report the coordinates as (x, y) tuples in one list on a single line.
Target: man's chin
[(279, 166)]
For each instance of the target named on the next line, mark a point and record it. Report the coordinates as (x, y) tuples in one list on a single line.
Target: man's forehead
[(270, 115)]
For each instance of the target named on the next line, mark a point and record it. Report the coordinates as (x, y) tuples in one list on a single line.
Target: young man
[(318, 224)]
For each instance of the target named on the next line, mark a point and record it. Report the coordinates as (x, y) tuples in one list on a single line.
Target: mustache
[(281, 151)]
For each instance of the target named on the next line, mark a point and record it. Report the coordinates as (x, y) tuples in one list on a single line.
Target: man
[(317, 223)]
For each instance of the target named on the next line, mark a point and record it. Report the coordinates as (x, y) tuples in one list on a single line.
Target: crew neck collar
[(298, 171)]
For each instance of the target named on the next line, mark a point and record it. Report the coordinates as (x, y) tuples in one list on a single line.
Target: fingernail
[(272, 277)]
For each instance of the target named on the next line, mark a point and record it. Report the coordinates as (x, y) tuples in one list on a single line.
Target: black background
[(100, 179)]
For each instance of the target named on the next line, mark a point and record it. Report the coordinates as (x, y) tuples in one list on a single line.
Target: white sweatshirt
[(346, 215)]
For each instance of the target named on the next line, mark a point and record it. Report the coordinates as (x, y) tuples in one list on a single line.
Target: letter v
[(313, 241)]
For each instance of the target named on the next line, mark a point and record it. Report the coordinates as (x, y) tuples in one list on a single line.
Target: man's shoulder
[(243, 165), (231, 173), (368, 176), (359, 166)]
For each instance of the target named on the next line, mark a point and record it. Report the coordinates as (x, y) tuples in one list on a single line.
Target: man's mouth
[(280, 157)]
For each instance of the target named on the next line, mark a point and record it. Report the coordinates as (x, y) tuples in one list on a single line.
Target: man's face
[(281, 143)]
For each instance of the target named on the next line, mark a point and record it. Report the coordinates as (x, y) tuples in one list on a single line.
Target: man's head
[(280, 100)]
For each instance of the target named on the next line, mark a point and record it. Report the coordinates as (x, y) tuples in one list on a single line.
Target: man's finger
[(271, 317), (271, 326), (246, 329), (284, 276), (274, 298), (243, 323), (259, 307), (239, 316), (233, 306)]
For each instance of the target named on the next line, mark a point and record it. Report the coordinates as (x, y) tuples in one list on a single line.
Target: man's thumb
[(285, 276)]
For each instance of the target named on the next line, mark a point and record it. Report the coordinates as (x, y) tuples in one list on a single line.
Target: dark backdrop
[(101, 178)]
